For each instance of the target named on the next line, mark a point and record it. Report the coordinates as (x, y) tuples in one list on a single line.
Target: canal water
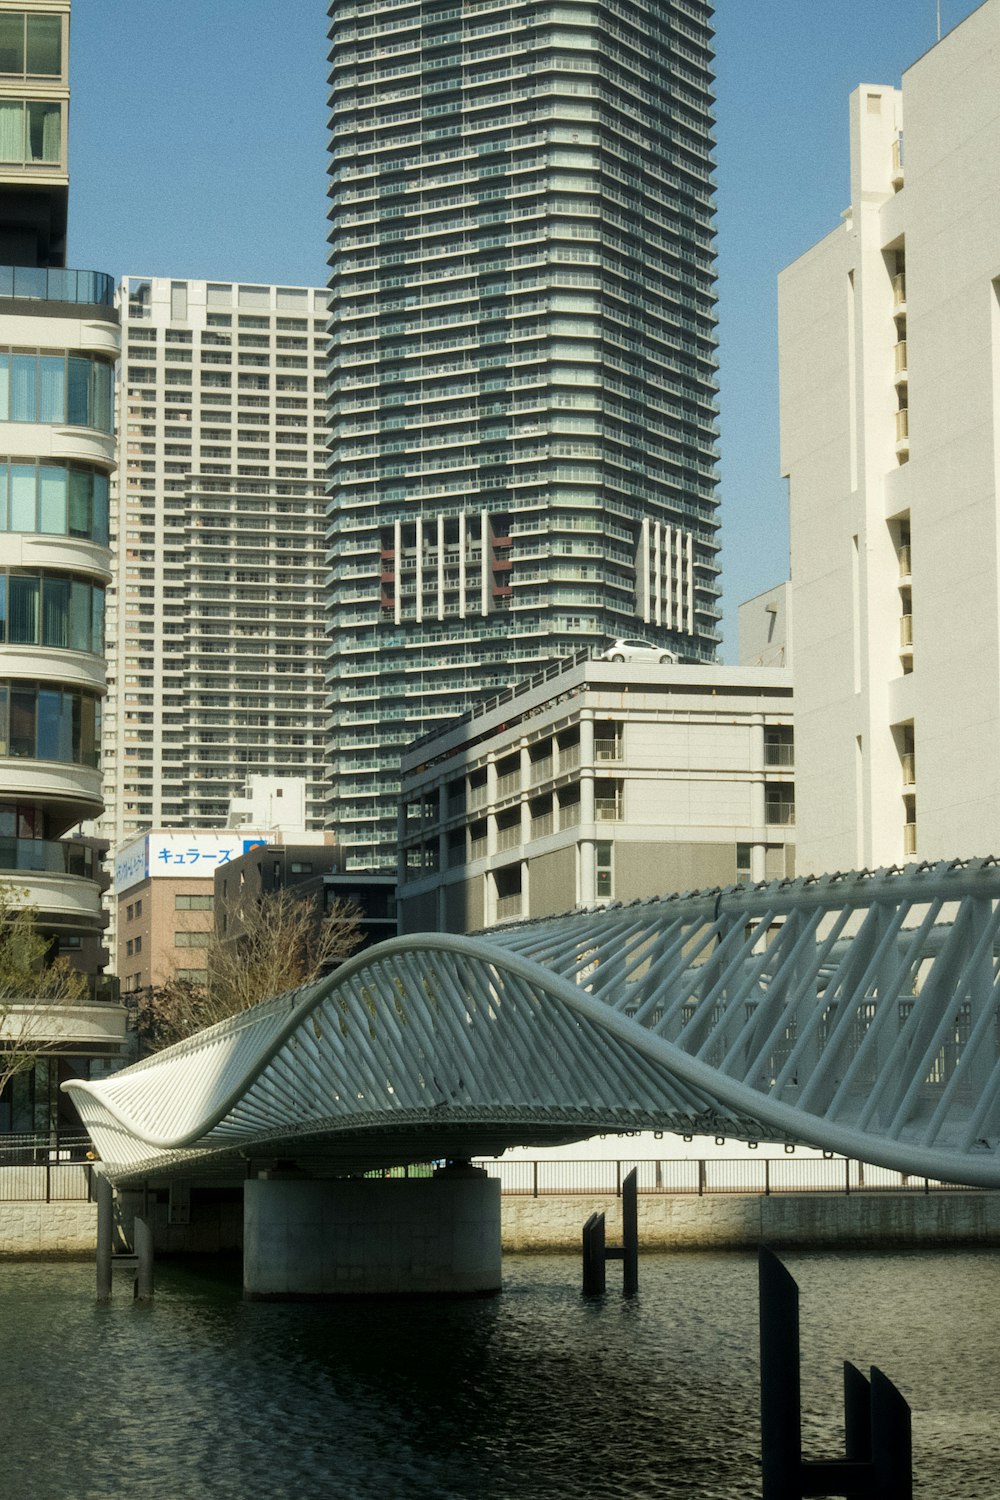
[(533, 1395)]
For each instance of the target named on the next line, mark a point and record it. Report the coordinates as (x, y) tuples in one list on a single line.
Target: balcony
[(904, 560), (47, 857), (906, 632), (896, 175), (909, 838), (55, 284), (608, 749), (780, 814), (779, 753), (509, 906), (899, 358), (909, 764), (903, 433), (899, 292), (608, 809), (509, 837)]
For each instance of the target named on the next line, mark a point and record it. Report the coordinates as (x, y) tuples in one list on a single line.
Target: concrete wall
[(552, 880), (307, 1238), (47, 1229), (723, 1222)]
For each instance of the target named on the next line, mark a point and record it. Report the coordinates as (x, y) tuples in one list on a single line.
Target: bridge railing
[(758, 1175)]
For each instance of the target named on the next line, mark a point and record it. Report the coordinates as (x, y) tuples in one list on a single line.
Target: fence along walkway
[(38, 1174)]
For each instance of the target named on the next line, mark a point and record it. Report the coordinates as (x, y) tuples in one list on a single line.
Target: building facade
[(215, 618), (523, 359), (598, 782), (890, 432), (59, 339)]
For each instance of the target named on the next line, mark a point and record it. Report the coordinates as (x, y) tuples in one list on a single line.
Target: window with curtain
[(44, 134), (56, 612), (56, 499), (51, 388), (23, 388), (51, 609), (22, 497), (11, 130), (23, 596), (54, 388), (52, 501)]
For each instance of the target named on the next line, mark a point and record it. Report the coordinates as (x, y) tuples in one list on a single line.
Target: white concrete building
[(890, 433), (215, 617), (598, 782), (59, 340)]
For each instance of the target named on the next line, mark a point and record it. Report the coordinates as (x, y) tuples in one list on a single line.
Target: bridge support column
[(308, 1237)]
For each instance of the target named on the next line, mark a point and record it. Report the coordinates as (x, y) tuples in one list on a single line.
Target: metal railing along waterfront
[(759, 1176), (43, 1170)]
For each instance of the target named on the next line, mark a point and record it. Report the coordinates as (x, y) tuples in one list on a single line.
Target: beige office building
[(215, 614), (600, 782), (890, 434)]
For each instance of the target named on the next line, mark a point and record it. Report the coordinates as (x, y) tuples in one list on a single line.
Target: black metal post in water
[(594, 1257), (878, 1461), (780, 1403), (105, 1236), (596, 1253), (630, 1234)]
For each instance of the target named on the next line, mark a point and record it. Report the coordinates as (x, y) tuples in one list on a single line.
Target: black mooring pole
[(878, 1462), (630, 1234)]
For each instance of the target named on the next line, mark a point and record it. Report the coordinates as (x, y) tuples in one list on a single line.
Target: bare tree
[(32, 989), (271, 945)]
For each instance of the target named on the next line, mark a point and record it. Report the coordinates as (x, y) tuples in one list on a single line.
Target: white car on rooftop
[(630, 648)]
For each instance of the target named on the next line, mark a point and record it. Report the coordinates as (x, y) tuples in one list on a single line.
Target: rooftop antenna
[(939, 19)]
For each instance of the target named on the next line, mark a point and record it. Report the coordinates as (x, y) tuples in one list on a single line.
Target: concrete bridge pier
[(320, 1237)]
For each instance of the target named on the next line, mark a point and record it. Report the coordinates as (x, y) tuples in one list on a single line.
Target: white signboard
[(189, 855)]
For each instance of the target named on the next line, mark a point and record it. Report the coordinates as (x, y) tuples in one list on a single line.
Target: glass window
[(80, 627), (52, 500), (77, 393), (50, 717), (80, 517), (100, 503), (4, 719), (3, 606), (55, 611), (52, 388), (11, 130), (97, 620), (22, 497), (102, 409), (11, 44), (22, 726), (44, 131), (23, 623), (43, 53), (23, 380)]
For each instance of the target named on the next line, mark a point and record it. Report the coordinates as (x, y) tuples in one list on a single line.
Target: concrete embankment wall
[(47, 1229), (555, 1222), (723, 1222)]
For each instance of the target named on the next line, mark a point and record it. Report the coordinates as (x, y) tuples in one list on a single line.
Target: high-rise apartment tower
[(215, 618), (522, 361)]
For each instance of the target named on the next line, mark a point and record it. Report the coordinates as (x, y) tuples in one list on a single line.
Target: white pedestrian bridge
[(856, 1012)]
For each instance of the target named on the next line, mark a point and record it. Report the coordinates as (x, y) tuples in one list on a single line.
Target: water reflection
[(536, 1394)]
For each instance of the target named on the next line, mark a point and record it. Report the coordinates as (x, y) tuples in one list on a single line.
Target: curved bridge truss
[(854, 1012)]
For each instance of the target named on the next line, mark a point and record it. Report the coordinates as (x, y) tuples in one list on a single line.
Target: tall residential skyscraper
[(890, 437), (59, 339), (215, 618), (522, 361)]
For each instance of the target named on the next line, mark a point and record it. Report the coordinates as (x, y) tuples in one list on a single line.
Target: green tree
[(32, 989), (272, 945)]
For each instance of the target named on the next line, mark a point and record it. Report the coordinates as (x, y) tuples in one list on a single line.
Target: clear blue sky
[(198, 142)]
